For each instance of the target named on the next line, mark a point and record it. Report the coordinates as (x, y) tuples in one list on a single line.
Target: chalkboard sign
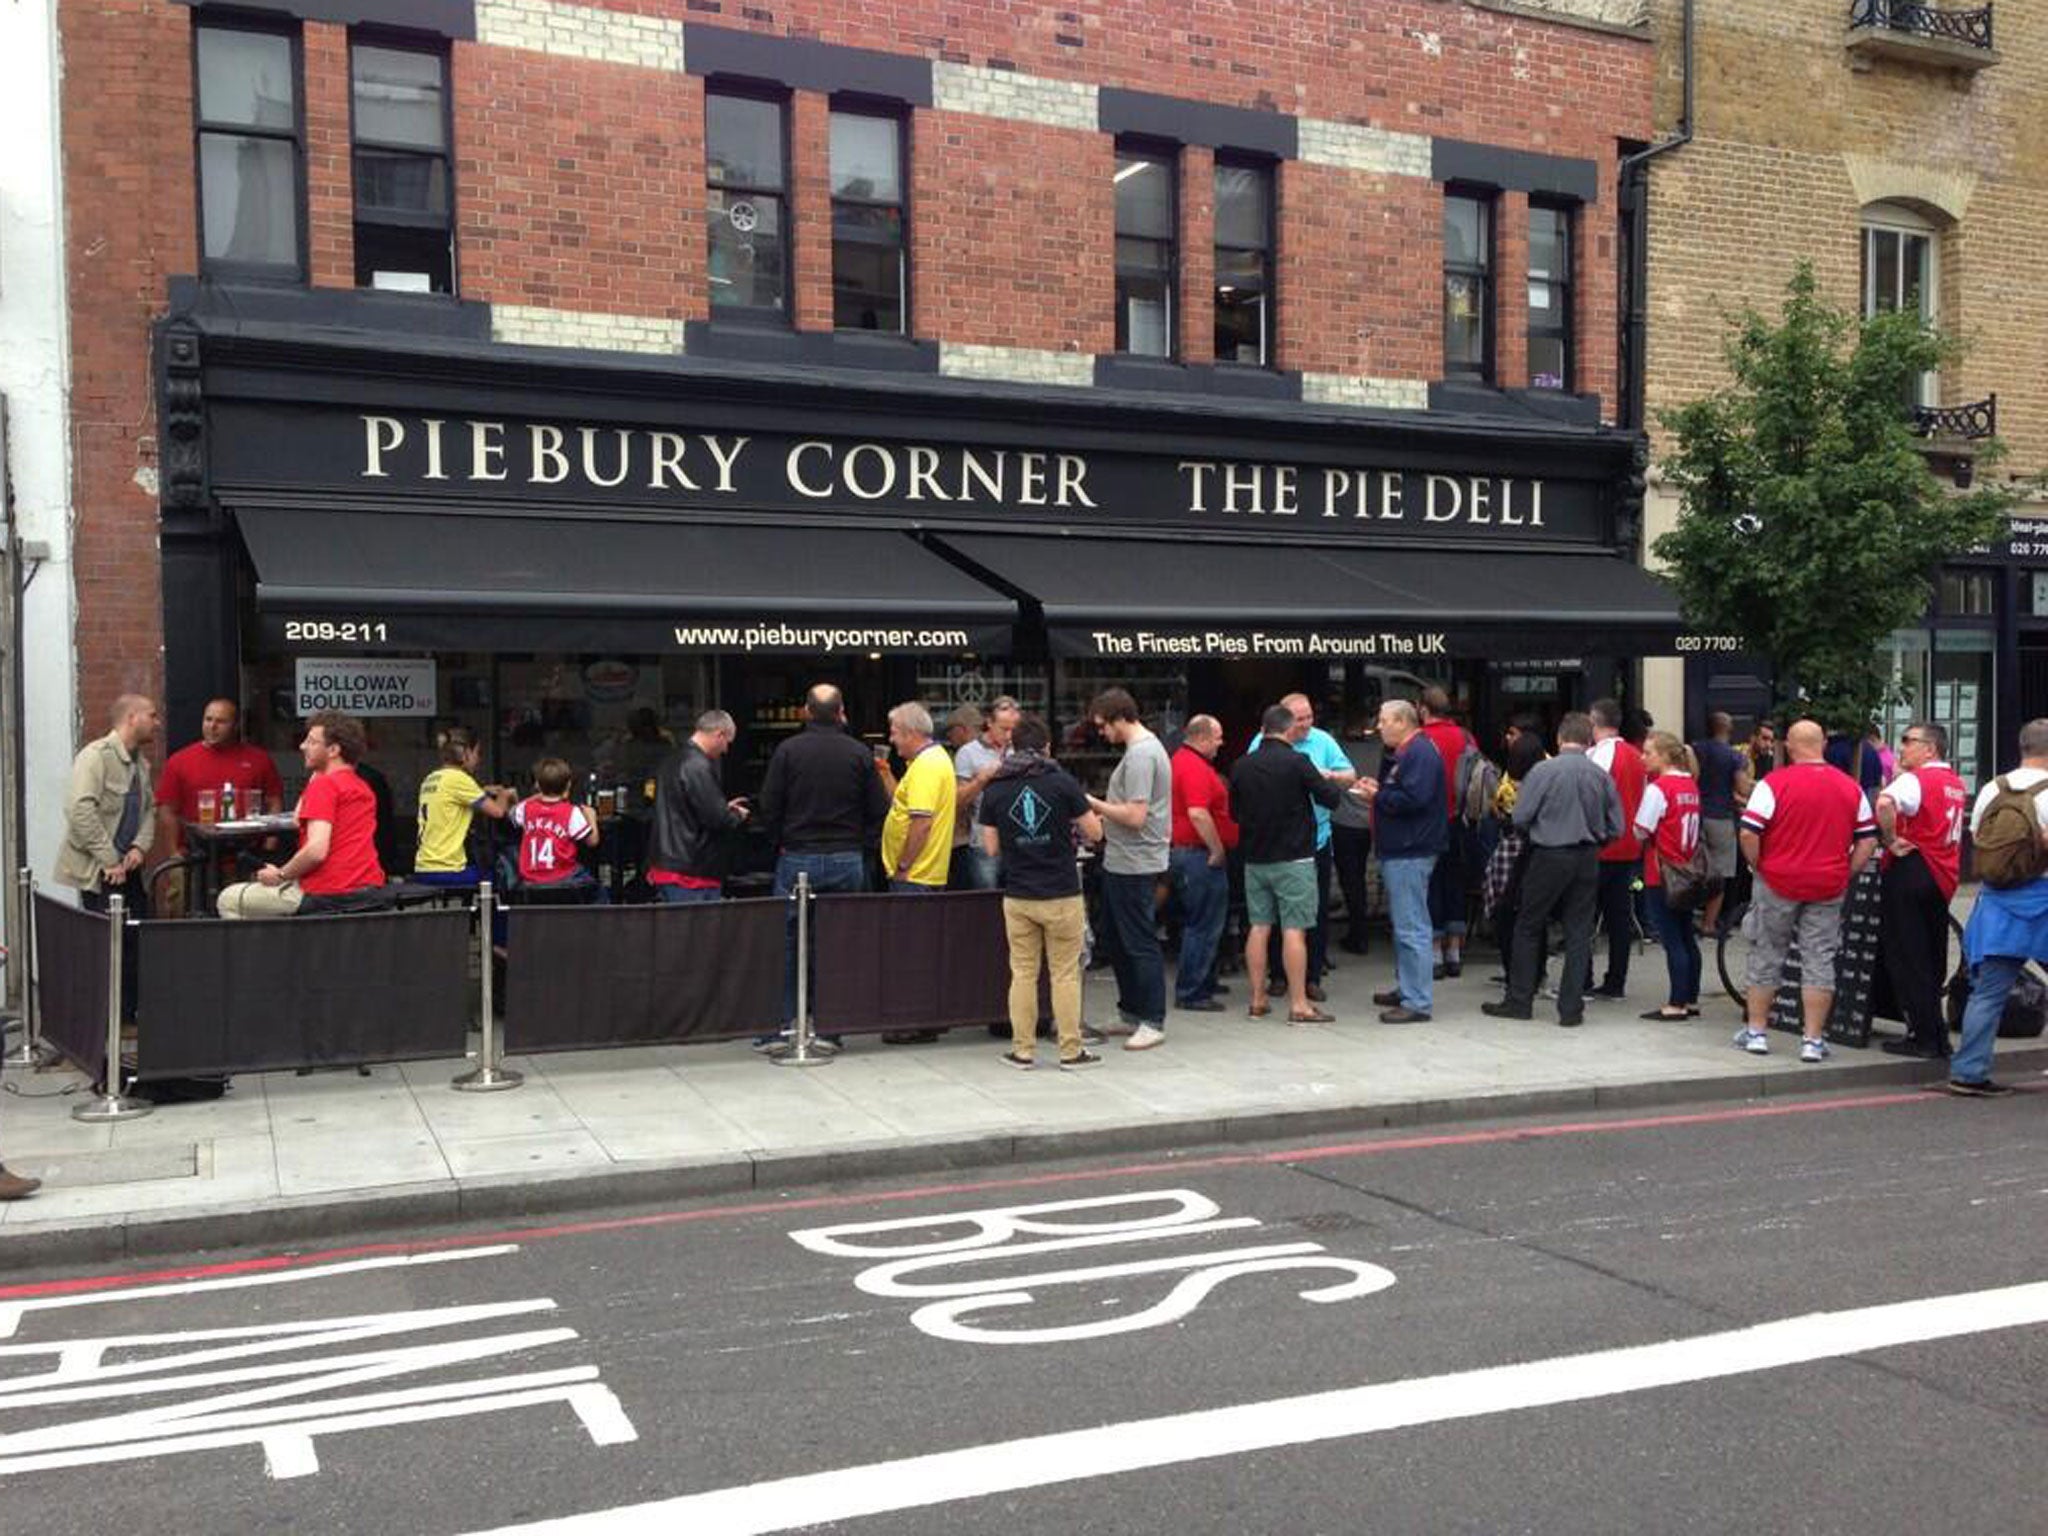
[(1857, 969)]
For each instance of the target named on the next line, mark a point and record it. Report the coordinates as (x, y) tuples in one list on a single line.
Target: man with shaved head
[(1202, 835), (218, 759), (1807, 831), (109, 813)]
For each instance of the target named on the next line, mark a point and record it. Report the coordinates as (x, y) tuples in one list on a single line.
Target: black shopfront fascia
[(336, 437)]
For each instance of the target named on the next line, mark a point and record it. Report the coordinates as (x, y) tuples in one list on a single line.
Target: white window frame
[(1896, 219)]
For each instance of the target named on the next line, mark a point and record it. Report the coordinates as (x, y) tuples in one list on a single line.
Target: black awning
[(1151, 599), (457, 581)]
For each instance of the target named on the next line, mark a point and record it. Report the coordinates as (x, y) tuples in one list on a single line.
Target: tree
[(1811, 526)]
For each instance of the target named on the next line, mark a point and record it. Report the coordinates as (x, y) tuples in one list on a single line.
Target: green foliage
[(1811, 525)]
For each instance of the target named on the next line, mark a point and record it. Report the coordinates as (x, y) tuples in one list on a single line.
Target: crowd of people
[(1619, 824)]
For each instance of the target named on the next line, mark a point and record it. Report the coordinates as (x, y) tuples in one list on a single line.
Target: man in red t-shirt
[(1621, 858), (219, 758), (1202, 836), (1920, 815), (1447, 881), (336, 862), (1807, 831)]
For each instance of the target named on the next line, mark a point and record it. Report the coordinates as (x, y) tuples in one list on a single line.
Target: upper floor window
[(1550, 296), (251, 152), (1244, 263), (869, 291), (1468, 286), (1899, 272), (746, 204), (1145, 253), (404, 232)]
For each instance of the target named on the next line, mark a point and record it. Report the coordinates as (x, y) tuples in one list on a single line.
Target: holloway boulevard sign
[(621, 467)]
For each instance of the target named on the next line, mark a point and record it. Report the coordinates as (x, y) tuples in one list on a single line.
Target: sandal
[(1258, 1008), (1661, 1015), (1313, 1016)]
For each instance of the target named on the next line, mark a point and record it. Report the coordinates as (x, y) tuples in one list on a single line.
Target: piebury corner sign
[(1331, 494)]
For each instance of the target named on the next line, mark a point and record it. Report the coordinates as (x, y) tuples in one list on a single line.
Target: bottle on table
[(227, 801)]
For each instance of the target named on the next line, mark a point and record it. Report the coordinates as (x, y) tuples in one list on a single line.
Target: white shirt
[(1602, 752), (2019, 778)]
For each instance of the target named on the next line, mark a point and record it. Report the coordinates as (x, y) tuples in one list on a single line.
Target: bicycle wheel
[(1731, 954)]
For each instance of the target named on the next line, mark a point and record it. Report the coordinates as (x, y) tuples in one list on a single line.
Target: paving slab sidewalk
[(285, 1159)]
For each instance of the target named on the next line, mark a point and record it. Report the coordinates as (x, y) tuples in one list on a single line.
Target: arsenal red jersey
[(1669, 819), (1624, 764), (549, 834), (1932, 805), (1808, 815)]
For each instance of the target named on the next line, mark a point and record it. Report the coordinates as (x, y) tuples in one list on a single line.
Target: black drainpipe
[(1635, 212)]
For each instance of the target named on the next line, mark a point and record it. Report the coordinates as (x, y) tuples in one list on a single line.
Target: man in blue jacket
[(1410, 827)]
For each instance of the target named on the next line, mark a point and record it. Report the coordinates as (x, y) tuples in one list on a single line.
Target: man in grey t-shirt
[(1137, 817), (975, 765)]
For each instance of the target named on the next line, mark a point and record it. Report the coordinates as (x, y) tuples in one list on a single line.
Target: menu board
[(1856, 969)]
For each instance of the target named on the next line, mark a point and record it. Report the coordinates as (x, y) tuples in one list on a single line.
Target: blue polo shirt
[(1321, 749)]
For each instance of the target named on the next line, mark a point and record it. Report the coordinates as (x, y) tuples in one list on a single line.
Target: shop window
[(1899, 274), (251, 151), (746, 205), (1964, 679), (1244, 264), (405, 226), (1468, 286), (1550, 296), (1967, 594), (1145, 253), (869, 287)]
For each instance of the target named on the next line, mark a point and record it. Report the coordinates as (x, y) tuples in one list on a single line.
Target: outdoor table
[(210, 843)]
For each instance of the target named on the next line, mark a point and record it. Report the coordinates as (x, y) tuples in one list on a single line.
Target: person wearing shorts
[(1724, 781), (1273, 794), (1807, 831)]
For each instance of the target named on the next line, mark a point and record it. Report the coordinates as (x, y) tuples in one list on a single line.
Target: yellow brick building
[(1903, 150)]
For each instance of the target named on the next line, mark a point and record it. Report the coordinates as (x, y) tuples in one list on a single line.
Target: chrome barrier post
[(802, 1051), (490, 1075), (110, 1103), (30, 1050)]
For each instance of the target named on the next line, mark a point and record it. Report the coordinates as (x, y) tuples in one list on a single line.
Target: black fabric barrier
[(71, 981), (909, 962), (267, 994), (577, 978)]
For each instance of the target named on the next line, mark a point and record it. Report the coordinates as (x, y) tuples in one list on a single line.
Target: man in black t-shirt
[(1724, 780), (1029, 813)]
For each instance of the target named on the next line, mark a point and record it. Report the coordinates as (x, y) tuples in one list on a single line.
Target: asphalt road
[(1533, 1326)]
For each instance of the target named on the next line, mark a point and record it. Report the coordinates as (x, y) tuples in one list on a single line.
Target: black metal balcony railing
[(1978, 419), (1970, 28)]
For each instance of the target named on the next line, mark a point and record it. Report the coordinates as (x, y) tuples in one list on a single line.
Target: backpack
[(1478, 781), (2007, 844)]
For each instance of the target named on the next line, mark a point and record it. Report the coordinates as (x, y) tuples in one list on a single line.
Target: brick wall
[(1793, 140), (580, 191), (130, 225)]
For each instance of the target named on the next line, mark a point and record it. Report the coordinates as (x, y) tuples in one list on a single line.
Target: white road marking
[(1072, 1456), (11, 1312)]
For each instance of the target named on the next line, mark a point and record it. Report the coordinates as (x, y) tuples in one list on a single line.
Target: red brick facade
[(580, 187)]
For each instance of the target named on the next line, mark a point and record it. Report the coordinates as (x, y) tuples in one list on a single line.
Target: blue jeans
[(830, 874), (1407, 886), (686, 895), (451, 878), (1140, 967), (979, 871), (1447, 884), (1204, 894), (1989, 988), (1681, 947), (913, 888)]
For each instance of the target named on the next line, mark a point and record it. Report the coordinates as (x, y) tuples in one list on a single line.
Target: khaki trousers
[(252, 898), (1051, 929)]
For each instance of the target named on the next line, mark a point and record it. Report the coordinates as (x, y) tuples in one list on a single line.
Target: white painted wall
[(1663, 676), (35, 366)]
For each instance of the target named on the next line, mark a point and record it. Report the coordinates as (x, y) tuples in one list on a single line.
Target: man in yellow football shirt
[(917, 837)]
